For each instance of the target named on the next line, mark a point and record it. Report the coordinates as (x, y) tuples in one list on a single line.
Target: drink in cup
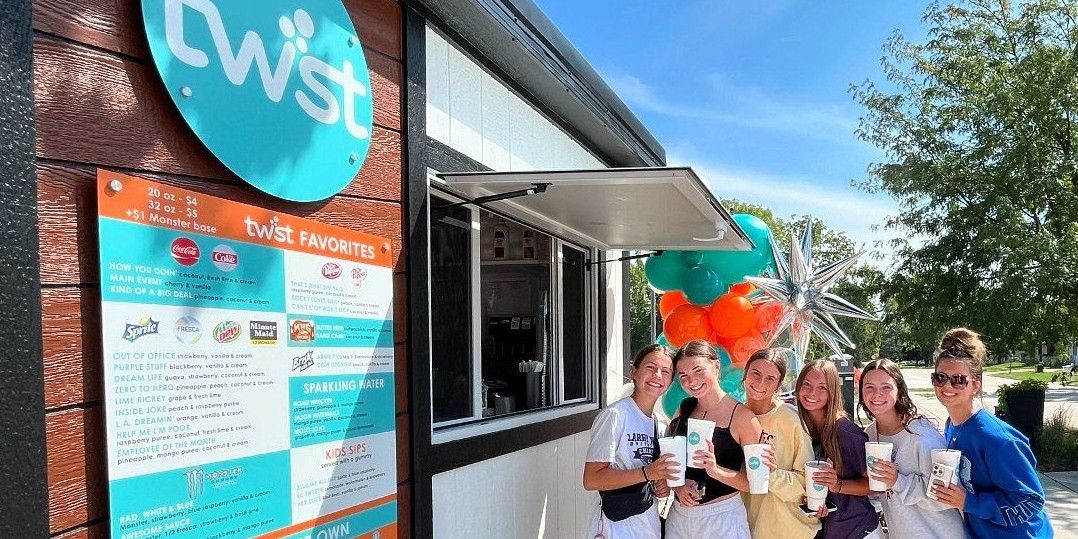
[(759, 474), (699, 431), (674, 445), (815, 492), (875, 451)]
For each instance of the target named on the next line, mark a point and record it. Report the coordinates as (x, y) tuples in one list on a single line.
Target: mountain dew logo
[(694, 438), (754, 463)]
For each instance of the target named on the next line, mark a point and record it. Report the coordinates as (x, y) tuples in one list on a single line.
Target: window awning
[(618, 208)]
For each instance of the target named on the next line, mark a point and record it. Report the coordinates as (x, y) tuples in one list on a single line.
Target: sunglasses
[(958, 381)]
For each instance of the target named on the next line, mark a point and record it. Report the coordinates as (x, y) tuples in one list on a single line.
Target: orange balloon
[(768, 317), (744, 348), (732, 316), (686, 323), (670, 301), (742, 289)]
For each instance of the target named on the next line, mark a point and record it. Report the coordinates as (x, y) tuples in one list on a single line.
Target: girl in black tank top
[(728, 453)]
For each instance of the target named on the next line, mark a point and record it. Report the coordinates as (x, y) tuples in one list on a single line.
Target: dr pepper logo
[(331, 270), (185, 251)]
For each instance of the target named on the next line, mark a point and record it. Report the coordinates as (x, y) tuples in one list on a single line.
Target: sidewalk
[(1061, 502)]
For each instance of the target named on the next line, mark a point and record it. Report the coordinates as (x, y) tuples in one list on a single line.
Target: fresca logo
[(185, 251), (226, 331), (288, 67), (754, 463), (224, 258), (331, 270), (694, 438), (144, 327), (188, 330)]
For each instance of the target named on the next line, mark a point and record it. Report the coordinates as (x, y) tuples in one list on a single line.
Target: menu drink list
[(248, 361)]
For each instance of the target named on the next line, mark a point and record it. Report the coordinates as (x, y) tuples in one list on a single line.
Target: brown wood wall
[(100, 103)]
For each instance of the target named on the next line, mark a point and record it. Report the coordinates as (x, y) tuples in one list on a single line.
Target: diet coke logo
[(331, 270), (225, 258), (185, 251)]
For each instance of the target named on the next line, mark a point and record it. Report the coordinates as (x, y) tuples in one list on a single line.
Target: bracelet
[(645, 471)]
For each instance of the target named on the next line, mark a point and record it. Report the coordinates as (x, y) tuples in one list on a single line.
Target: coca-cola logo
[(331, 270), (224, 258), (185, 251)]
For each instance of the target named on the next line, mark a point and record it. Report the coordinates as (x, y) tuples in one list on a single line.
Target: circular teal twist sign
[(694, 438), (754, 463), (277, 90)]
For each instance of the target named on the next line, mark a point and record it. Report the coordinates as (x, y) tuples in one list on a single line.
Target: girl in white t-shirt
[(621, 460)]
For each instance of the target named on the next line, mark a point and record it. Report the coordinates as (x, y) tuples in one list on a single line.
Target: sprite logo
[(694, 438), (754, 463)]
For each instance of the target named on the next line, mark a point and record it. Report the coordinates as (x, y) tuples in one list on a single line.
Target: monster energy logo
[(196, 481)]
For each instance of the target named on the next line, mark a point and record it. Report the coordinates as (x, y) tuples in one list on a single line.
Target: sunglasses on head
[(958, 381)]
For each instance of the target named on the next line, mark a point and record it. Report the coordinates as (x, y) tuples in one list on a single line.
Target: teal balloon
[(672, 398), (725, 360), (665, 271), (661, 339), (691, 258), (702, 285), (733, 266), (730, 382)]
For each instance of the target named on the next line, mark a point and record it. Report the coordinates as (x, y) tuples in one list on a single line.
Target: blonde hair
[(963, 344), (827, 433)]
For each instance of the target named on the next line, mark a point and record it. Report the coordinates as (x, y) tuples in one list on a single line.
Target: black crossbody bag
[(620, 504)]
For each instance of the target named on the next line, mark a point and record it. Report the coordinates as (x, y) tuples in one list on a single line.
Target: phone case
[(942, 475)]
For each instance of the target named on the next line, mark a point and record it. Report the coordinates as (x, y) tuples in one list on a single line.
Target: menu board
[(248, 362)]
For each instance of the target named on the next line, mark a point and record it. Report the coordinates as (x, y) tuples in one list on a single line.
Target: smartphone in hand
[(942, 476), (831, 508)]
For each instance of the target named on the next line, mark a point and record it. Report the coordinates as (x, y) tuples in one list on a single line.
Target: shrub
[(1027, 384), (1058, 449)]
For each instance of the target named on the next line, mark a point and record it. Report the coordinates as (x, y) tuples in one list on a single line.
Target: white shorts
[(725, 519), (646, 525)]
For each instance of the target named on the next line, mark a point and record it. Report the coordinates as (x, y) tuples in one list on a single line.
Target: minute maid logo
[(310, 90)]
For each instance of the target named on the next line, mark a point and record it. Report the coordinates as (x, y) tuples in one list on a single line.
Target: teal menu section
[(335, 407), (166, 267), (235, 498)]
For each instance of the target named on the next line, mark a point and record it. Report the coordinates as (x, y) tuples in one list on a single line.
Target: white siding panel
[(465, 105), (496, 99), (437, 87), (518, 136)]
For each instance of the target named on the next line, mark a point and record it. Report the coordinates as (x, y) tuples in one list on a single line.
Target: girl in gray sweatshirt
[(907, 508)]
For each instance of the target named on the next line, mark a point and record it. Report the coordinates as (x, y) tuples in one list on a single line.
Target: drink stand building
[(506, 174)]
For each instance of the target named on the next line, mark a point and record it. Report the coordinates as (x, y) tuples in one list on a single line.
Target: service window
[(511, 316)]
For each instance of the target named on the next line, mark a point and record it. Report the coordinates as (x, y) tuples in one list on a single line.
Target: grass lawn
[(1045, 376), (1007, 366)]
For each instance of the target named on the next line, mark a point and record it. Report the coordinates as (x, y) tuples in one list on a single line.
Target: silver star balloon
[(808, 307)]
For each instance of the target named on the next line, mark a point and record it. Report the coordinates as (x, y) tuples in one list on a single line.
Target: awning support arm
[(479, 201), (622, 259)]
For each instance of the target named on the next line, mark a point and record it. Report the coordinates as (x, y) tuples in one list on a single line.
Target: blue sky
[(752, 94)]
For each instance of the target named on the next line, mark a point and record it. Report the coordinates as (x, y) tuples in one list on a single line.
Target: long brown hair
[(904, 406), (827, 433), (695, 348)]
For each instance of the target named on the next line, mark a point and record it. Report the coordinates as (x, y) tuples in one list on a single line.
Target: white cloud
[(859, 215), (743, 107)]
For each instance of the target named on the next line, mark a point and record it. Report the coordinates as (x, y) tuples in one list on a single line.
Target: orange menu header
[(142, 201)]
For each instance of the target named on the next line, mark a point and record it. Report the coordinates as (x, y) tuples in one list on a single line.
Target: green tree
[(978, 125), (640, 308)]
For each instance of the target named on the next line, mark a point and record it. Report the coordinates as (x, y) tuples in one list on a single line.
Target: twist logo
[(238, 70), (694, 438)]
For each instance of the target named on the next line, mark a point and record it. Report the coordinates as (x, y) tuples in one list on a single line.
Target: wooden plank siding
[(99, 103)]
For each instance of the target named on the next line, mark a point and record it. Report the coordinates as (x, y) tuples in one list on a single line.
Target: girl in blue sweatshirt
[(1000, 494)]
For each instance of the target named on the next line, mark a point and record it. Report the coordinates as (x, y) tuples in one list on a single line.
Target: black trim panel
[(417, 225), (22, 380)]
